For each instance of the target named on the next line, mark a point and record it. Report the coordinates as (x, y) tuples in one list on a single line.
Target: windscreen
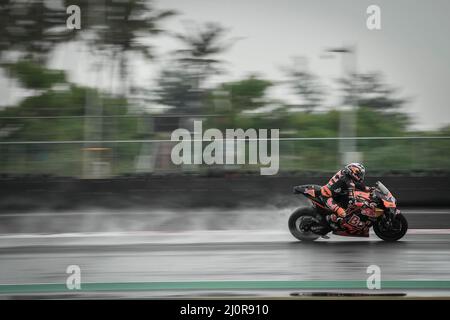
[(382, 188)]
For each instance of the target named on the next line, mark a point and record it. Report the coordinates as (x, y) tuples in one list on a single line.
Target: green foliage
[(247, 94), (32, 27), (175, 88), (370, 91), (373, 123), (35, 76), (57, 109)]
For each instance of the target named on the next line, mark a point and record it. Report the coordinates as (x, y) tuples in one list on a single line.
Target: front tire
[(295, 222), (391, 235)]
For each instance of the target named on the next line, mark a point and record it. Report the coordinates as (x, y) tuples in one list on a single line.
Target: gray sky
[(412, 49)]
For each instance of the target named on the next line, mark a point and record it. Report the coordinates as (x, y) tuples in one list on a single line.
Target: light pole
[(347, 114), (93, 109)]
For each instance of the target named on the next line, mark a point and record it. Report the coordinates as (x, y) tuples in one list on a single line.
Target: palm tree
[(369, 90), (117, 29), (32, 28), (304, 84), (114, 30), (202, 45), (174, 87)]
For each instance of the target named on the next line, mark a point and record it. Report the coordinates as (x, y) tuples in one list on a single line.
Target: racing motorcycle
[(376, 208)]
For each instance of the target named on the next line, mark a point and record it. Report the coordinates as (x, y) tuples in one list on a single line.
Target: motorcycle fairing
[(362, 218), (312, 192), (389, 204), (355, 226)]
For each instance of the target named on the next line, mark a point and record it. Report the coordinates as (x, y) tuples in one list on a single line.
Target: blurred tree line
[(116, 32)]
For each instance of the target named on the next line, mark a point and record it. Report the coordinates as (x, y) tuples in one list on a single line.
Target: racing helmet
[(356, 171)]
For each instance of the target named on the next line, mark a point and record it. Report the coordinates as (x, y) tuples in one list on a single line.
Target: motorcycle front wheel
[(298, 221), (393, 233)]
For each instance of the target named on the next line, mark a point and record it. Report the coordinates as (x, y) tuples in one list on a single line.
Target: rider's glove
[(335, 218)]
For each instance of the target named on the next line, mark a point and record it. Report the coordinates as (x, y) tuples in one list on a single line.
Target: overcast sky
[(412, 49)]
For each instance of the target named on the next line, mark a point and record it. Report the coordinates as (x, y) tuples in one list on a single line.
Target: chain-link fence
[(97, 159)]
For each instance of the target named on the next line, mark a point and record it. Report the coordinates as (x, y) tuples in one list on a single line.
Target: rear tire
[(295, 221), (389, 235)]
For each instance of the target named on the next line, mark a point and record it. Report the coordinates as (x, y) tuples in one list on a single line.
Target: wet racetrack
[(226, 255)]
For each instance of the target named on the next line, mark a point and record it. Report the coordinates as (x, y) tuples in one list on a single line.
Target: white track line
[(200, 233)]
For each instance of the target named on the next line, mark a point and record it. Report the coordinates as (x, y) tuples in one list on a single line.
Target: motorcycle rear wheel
[(389, 234), (296, 219)]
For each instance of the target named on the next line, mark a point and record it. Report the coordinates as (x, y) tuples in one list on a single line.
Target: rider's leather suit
[(341, 184)]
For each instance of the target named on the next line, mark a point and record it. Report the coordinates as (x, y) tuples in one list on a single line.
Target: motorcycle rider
[(344, 182)]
